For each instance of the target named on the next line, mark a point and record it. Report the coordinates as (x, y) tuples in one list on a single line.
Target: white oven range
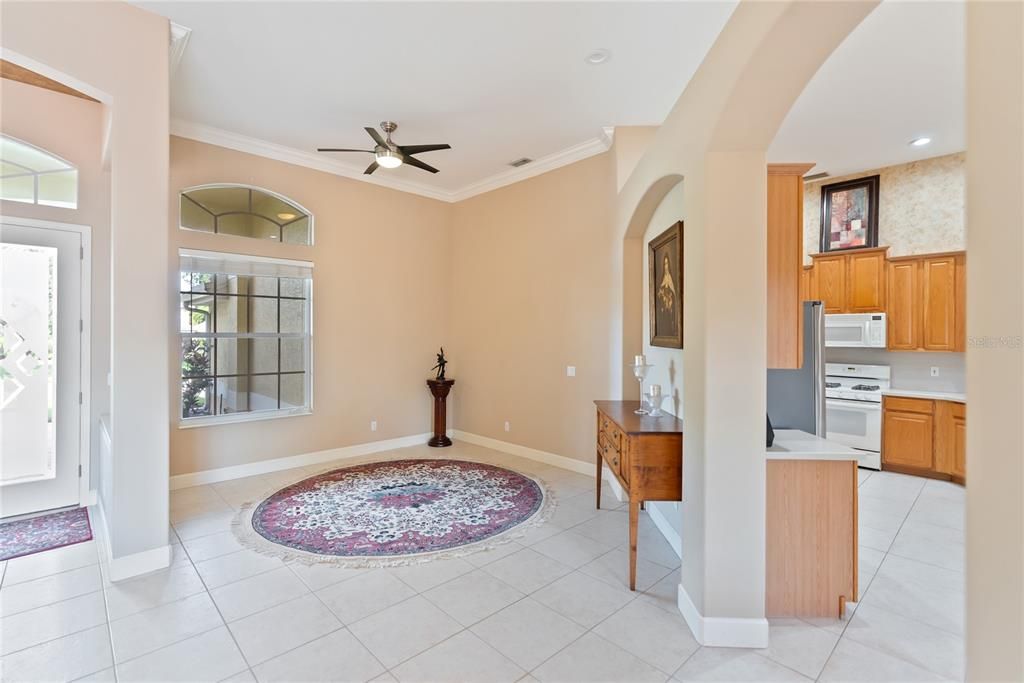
[(853, 407)]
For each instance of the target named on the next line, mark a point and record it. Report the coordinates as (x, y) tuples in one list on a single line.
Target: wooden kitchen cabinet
[(924, 437), (785, 257), (927, 303), (852, 281), (904, 323)]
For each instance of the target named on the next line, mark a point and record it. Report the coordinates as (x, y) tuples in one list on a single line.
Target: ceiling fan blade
[(413, 161), (416, 149), (376, 136), (338, 149), (371, 168)]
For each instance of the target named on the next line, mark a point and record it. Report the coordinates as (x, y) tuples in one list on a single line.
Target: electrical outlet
[(935, 371), (373, 425), (570, 371), (508, 426)]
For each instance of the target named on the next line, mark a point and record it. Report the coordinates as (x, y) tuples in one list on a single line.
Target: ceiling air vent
[(523, 161), (815, 176)]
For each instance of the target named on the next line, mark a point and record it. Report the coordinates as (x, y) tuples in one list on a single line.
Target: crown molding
[(579, 152), (290, 155), (179, 41)]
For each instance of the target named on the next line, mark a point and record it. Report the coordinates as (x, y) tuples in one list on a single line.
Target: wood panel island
[(811, 526)]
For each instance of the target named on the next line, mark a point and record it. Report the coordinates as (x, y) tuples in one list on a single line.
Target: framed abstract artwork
[(849, 214), (665, 268)]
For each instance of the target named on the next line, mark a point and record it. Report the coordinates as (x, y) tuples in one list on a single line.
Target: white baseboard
[(523, 451), (128, 566), (653, 510), (665, 527), (722, 631), (181, 481)]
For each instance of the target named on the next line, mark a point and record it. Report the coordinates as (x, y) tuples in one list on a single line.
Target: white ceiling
[(898, 76), (497, 81)]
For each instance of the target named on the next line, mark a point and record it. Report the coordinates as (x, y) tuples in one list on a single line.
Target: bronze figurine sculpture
[(441, 362)]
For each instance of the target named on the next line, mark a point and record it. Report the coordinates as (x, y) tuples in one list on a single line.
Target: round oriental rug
[(394, 513)]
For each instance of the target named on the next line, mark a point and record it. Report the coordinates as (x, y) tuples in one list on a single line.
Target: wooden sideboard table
[(646, 456)]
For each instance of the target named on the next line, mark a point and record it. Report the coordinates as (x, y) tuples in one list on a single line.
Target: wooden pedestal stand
[(440, 388)]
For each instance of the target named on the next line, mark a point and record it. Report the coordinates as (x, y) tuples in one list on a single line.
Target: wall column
[(723, 577), (995, 328)]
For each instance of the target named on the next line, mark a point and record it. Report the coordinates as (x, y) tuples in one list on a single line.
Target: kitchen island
[(811, 528)]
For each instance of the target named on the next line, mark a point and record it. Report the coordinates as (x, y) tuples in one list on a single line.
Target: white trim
[(722, 631), (250, 145), (664, 526), (653, 511), (179, 36), (243, 258), (526, 452), (583, 150), (121, 568), (84, 342), (290, 155), (53, 74), (128, 566), (181, 481), (233, 418)]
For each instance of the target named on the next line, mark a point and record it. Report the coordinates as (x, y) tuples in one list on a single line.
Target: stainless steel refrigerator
[(796, 398)]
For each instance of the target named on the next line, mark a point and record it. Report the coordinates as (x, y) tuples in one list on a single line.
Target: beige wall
[(382, 263), (531, 295), (71, 128), (920, 206), (995, 356)]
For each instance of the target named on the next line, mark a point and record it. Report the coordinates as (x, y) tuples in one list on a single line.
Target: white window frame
[(243, 186), (262, 262), (35, 177)]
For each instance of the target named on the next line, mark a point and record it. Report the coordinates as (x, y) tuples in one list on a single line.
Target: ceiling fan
[(387, 153)]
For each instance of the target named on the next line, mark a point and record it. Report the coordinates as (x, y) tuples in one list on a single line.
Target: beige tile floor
[(552, 606)]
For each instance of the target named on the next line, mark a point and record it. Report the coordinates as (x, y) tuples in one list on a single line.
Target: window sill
[(234, 418)]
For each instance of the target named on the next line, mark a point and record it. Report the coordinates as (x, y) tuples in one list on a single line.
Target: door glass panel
[(28, 363)]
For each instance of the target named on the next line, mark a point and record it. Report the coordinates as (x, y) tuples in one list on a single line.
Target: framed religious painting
[(665, 294), (849, 214)]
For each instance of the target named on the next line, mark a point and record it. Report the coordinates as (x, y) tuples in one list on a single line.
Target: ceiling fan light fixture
[(388, 158)]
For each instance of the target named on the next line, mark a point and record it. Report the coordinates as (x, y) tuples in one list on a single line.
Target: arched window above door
[(32, 175), (246, 212)]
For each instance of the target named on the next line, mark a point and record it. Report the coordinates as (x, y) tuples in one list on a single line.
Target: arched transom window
[(246, 212), (34, 176)]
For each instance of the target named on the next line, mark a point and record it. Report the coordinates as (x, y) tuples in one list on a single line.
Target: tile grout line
[(873, 576)]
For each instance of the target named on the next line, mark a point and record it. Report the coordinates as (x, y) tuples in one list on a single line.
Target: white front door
[(41, 293)]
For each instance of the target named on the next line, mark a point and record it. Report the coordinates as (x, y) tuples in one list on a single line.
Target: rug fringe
[(247, 536)]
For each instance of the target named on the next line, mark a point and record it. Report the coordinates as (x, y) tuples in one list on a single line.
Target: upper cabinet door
[(866, 282), (904, 319), (938, 285), (960, 326), (829, 282), (785, 256)]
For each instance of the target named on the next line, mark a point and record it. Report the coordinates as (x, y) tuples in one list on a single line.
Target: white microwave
[(855, 330)]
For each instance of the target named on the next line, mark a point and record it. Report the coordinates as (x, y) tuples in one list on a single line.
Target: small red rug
[(45, 532)]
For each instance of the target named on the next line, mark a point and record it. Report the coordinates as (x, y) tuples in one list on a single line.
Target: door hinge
[(81, 253), (79, 398), (79, 470), (81, 326)]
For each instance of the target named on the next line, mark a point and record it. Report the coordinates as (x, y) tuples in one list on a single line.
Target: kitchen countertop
[(793, 444), (918, 393)]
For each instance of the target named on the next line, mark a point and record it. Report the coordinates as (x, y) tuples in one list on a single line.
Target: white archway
[(711, 142)]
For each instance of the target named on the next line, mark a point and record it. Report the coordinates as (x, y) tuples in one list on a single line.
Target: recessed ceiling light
[(598, 56), (920, 142), (286, 216)]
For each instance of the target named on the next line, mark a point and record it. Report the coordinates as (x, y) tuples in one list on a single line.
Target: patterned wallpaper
[(920, 206)]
